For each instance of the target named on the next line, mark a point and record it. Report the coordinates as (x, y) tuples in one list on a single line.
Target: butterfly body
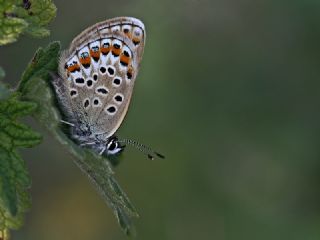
[(96, 80)]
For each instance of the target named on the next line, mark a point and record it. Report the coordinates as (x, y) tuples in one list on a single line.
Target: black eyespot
[(123, 63), (118, 98), (110, 70), (135, 42), (86, 65), (103, 69), (129, 75), (102, 90), (89, 83), (126, 53), (80, 80), (96, 102), (86, 103), (73, 92), (111, 109), (95, 77), (116, 81), (126, 30), (116, 46)]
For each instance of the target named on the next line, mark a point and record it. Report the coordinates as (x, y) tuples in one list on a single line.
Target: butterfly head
[(113, 146)]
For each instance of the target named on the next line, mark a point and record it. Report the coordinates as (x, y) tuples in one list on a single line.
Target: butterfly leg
[(68, 123), (102, 151), (87, 143)]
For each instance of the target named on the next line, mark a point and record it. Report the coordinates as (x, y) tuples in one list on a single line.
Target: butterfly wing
[(98, 72)]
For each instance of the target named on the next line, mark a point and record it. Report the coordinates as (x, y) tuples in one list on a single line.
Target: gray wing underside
[(97, 117)]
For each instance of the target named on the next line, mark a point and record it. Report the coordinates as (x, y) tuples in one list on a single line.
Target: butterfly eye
[(113, 146)]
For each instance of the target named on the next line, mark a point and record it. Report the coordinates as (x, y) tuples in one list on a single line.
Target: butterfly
[(95, 84)]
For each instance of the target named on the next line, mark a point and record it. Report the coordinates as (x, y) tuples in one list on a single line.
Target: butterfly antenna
[(142, 148)]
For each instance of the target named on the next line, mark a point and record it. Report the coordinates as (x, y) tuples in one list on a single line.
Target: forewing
[(99, 70)]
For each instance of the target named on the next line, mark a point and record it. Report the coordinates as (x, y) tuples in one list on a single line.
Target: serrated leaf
[(10, 29), (38, 31), (35, 86), (29, 17), (15, 134), (8, 194), (43, 62), (14, 177), (41, 12)]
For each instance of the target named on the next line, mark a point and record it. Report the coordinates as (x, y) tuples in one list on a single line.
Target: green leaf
[(29, 17), (38, 31), (43, 63), (35, 86), (10, 29), (14, 177)]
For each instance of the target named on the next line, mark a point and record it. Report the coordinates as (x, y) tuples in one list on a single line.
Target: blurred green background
[(229, 91)]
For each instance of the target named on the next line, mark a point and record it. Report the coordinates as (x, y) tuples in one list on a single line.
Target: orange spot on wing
[(116, 51), (105, 50), (136, 40), (73, 68), (95, 54), (130, 72), (124, 60), (128, 34), (85, 61)]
